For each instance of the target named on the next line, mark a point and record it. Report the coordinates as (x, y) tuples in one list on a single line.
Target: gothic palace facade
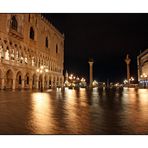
[(31, 52)]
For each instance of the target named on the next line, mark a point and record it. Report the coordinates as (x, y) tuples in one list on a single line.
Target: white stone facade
[(27, 42)]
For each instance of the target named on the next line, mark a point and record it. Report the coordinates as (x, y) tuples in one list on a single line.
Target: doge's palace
[(29, 42)]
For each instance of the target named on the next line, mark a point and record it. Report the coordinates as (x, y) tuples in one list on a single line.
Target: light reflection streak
[(71, 109), (95, 96), (143, 97), (41, 113), (83, 97), (136, 109), (77, 109)]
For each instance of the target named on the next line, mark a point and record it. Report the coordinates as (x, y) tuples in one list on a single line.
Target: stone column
[(9, 55), (51, 82), (43, 82), (23, 83), (47, 83), (30, 83), (59, 82), (128, 60), (90, 72), (55, 85), (3, 83), (13, 84), (37, 83), (62, 81)]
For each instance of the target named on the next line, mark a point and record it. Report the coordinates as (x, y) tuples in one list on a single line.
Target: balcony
[(15, 34)]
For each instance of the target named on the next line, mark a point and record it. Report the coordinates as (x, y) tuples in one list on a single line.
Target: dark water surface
[(74, 112)]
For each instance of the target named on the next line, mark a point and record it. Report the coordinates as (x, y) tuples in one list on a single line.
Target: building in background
[(29, 42), (142, 62)]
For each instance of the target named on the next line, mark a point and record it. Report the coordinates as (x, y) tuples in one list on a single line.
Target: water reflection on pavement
[(74, 112)]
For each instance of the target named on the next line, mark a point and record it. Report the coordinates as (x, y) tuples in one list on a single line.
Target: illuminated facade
[(142, 61), (27, 42)]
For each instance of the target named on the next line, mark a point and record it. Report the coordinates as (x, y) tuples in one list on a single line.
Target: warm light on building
[(142, 64), (23, 55)]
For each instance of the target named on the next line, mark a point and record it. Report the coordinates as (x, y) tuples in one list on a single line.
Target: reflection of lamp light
[(41, 113)]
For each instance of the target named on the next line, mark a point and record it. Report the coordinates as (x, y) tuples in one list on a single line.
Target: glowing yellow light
[(70, 77), (37, 70), (125, 81), (42, 67), (83, 80), (144, 75), (77, 78), (95, 83), (46, 70)]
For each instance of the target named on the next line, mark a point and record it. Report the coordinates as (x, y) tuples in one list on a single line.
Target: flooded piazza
[(72, 111)]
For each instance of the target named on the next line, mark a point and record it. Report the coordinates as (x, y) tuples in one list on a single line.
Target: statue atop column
[(127, 61)]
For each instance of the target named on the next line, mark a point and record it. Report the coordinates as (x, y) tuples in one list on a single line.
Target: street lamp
[(131, 79), (42, 70), (125, 81)]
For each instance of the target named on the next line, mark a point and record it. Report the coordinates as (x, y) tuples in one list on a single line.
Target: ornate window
[(14, 23), (31, 33), (46, 42)]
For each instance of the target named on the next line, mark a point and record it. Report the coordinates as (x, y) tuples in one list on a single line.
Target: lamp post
[(131, 79), (42, 70)]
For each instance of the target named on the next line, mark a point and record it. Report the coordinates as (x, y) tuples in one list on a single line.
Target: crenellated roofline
[(45, 20)]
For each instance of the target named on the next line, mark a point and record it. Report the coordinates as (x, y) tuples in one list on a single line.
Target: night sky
[(106, 38)]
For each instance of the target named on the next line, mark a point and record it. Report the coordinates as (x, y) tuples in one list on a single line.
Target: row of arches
[(20, 54), (26, 80)]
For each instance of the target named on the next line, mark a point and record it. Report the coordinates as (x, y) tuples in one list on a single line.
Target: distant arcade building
[(142, 63), (27, 42)]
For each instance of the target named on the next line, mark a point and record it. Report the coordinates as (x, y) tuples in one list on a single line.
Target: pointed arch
[(32, 33), (14, 23)]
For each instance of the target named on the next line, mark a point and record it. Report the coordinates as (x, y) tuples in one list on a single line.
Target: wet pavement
[(74, 112)]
